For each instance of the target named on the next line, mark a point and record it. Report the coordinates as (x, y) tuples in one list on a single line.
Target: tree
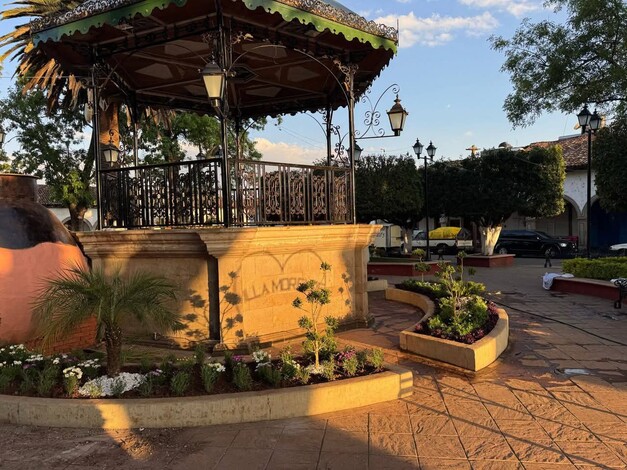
[(610, 166), (560, 67), (46, 142), (389, 188), (490, 188), (77, 295)]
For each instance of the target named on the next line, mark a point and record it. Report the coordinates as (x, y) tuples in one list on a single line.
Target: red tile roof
[(574, 149)]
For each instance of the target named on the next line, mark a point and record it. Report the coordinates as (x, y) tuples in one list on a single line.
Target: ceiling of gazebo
[(283, 56)]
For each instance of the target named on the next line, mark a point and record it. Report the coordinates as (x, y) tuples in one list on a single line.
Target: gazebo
[(247, 231)]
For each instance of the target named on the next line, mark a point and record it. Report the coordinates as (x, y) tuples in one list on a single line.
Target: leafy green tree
[(48, 148), (610, 166), (490, 188), (79, 294), (161, 140), (389, 188), (560, 67)]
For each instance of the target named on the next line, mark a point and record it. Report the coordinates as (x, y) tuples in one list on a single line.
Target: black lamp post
[(2, 135), (589, 123), (430, 153)]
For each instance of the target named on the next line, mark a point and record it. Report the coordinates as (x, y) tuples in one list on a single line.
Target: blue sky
[(450, 81)]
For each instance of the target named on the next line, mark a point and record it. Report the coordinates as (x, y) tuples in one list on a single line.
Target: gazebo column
[(96, 137), (349, 85)]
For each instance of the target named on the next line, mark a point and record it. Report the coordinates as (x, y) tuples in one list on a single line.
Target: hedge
[(602, 268)]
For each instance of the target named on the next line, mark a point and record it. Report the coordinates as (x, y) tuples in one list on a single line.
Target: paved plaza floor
[(556, 399)]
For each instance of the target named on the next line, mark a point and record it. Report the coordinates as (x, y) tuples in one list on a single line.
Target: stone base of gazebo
[(237, 285)]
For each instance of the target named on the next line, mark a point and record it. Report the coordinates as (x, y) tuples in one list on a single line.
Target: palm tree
[(40, 70), (79, 294)]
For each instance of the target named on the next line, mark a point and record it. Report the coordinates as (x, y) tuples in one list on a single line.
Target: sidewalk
[(526, 411)]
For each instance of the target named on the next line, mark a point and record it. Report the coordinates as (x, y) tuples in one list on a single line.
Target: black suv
[(529, 242)]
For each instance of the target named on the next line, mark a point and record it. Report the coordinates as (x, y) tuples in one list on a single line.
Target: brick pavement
[(522, 412)]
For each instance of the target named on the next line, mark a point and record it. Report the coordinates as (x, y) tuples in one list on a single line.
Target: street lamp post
[(430, 153), (589, 123), (2, 134)]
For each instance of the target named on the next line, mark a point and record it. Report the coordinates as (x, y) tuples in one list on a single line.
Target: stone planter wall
[(229, 408)]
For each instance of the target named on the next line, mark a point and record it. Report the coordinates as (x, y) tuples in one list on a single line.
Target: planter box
[(400, 269), (591, 287), (468, 356), (494, 261), (422, 302), (227, 408)]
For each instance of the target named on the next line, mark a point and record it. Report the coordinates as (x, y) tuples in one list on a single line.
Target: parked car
[(533, 243), (620, 249)]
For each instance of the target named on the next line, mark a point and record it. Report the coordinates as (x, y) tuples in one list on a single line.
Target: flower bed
[(26, 373)]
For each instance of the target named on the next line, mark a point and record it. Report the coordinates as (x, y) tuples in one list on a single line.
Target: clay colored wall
[(22, 275)]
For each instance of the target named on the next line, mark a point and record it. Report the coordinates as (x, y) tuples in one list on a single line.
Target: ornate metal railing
[(190, 194), (267, 193), (166, 195)]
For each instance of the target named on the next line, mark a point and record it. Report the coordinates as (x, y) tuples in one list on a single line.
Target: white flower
[(56, 361), (73, 372), (217, 366), (106, 384), (261, 356), (89, 363), (17, 363), (35, 358)]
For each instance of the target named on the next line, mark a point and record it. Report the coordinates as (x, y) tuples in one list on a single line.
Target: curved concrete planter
[(468, 356), (293, 402)]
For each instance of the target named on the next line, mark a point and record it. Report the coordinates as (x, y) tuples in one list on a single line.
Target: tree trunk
[(113, 342), (407, 240), (77, 215), (109, 125), (489, 237)]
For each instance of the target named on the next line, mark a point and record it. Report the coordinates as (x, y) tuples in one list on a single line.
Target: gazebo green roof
[(287, 55)]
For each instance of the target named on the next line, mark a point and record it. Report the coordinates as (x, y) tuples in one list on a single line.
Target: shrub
[(180, 383), (376, 358), (242, 378), (145, 365), (303, 375), (348, 361), (210, 374), (199, 354), (433, 290), (47, 380), (603, 268), (269, 374), (289, 367), (328, 369), (147, 386)]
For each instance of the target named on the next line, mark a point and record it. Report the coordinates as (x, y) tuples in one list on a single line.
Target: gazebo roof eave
[(54, 29)]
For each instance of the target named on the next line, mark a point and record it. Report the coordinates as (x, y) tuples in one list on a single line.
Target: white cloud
[(515, 7), (438, 30), (468, 134), (288, 153)]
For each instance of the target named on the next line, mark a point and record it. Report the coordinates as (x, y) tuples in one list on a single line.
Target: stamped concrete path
[(529, 410)]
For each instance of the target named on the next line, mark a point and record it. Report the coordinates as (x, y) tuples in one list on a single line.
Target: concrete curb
[(467, 356), (230, 408), (423, 302)]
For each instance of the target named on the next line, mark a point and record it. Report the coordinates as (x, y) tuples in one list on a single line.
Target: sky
[(449, 77)]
